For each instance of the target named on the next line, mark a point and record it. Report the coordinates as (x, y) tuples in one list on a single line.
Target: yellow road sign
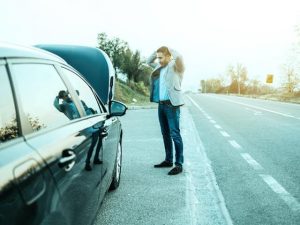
[(269, 79)]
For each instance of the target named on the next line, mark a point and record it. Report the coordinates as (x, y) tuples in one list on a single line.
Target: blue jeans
[(169, 123)]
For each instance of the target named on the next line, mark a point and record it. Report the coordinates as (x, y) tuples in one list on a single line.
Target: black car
[(60, 145)]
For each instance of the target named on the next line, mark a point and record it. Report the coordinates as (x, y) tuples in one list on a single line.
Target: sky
[(210, 34)]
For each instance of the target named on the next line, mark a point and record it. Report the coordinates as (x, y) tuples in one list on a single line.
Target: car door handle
[(67, 160)]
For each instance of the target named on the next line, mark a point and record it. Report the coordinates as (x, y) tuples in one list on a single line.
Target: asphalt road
[(147, 195), (254, 147), (241, 166)]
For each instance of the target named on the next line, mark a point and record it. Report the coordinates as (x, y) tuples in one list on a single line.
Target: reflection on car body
[(67, 106)]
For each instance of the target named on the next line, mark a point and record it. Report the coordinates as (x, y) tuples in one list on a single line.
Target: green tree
[(124, 59), (115, 48), (134, 67)]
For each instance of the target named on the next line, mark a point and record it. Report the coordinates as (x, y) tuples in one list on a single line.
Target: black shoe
[(163, 164), (176, 170), (97, 161), (88, 167)]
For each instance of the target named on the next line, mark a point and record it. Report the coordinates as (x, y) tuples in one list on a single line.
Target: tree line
[(239, 82), (236, 81)]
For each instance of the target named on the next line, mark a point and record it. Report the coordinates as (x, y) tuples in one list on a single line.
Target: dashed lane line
[(268, 179), (224, 133), (218, 126), (283, 194), (234, 144), (212, 121), (252, 162)]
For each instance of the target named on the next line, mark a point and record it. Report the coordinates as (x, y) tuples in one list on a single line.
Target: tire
[(117, 169)]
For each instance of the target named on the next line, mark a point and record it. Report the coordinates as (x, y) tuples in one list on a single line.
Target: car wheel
[(117, 170)]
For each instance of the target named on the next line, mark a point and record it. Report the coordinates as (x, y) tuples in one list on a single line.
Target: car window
[(8, 120), (45, 99), (84, 92)]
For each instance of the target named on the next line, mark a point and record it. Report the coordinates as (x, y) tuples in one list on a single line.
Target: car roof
[(18, 51)]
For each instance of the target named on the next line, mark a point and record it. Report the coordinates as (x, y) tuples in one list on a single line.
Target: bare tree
[(253, 87), (239, 76), (291, 70), (290, 79), (213, 85)]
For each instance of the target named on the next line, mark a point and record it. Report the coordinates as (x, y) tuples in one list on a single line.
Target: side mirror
[(117, 108)]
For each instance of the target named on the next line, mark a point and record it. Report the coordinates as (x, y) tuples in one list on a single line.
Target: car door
[(109, 127), (110, 140), (26, 184), (112, 127), (60, 132)]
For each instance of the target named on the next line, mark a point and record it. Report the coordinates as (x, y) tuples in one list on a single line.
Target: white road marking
[(283, 194), (218, 126), (212, 121), (259, 108), (191, 196), (234, 144), (224, 133), (197, 106), (252, 162), (269, 180), (256, 113), (217, 207)]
